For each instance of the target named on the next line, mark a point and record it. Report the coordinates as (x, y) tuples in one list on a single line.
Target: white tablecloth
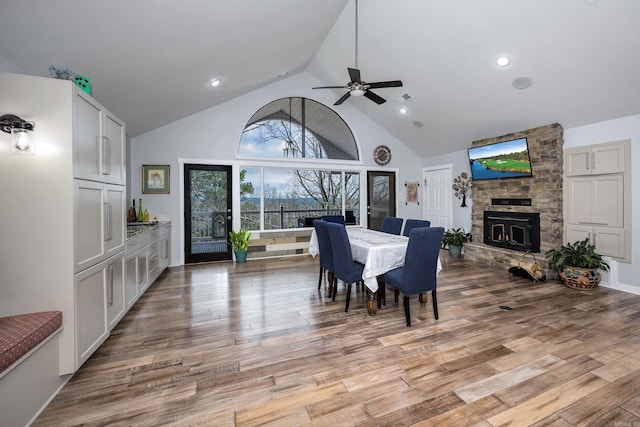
[(379, 252)]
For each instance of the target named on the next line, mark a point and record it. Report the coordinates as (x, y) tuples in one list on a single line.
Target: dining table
[(379, 252)]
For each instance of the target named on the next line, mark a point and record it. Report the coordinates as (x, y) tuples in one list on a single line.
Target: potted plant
[(577, 264), (239, 241), (454, 238)]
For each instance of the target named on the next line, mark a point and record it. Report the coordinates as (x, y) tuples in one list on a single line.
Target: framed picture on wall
[(155, 179)]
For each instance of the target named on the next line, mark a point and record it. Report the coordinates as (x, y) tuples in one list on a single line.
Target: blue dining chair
[(419, 272), (344, 267), (326, 254), (410, 224), (334, 218), (391, 225)]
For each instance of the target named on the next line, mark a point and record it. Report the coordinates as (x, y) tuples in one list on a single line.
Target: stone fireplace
[(523, 205)]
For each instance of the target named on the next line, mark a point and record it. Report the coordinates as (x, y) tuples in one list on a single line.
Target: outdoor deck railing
[(213, 225)]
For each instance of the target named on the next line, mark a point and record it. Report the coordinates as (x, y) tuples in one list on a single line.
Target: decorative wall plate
[(382, 154)]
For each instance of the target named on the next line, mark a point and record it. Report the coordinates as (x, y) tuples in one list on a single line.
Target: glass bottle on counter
[(134, 214), (140, 212), (146, 215)]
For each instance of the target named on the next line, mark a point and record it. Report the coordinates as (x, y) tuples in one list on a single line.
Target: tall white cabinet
[(597, 197), (63, 213)]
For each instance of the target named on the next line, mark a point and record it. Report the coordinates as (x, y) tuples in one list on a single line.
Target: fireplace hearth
[(519, 231)]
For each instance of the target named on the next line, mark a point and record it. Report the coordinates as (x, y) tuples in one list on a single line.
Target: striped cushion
[(19, 334)]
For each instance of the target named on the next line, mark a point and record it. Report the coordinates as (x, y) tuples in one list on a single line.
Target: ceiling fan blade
[(375, 98), (331, 87), (392, 83), (354, 74), (343, 98)]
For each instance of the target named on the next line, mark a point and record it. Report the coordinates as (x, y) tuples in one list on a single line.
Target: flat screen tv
[(508, 159)]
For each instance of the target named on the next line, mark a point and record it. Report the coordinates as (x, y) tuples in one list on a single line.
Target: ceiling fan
[(358, 87)]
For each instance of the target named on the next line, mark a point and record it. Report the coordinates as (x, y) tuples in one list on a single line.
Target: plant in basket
[(577, 264)]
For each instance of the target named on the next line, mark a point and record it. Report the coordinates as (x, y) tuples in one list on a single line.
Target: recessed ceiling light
[(503, 61), (215, 82), (403, 110)]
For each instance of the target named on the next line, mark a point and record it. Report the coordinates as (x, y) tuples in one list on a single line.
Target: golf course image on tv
[(508, 159)]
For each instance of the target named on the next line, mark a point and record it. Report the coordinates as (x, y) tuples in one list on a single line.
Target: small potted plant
[(239, 241), (454, 238), (577, 264)]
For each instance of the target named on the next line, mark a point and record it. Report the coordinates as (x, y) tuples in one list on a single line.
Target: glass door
[(381, 197), (207, 211)]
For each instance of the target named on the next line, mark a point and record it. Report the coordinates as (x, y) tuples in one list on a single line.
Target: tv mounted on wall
[(508, 159)]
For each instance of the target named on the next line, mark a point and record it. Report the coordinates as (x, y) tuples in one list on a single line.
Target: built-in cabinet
[(64, 224), (597, 197), (146, 259)]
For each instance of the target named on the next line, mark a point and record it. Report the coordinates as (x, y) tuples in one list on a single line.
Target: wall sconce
[(22, 142)]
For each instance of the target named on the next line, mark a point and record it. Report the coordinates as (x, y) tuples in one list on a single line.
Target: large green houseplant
[(577, 264), (454, 238), (239, 241)]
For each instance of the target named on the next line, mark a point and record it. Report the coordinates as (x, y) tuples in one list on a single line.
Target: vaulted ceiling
[(150, 60)]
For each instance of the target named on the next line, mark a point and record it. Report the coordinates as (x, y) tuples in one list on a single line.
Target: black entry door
[(381, 197), (207, 212)]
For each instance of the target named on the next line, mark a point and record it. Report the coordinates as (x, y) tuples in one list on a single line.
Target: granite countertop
[(135, 228)]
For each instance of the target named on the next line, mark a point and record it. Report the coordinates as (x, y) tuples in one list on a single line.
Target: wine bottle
[(135, 215), (140, 212), (146, 215)]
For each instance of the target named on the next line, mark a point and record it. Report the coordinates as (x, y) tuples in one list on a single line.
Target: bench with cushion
[(29, 365)]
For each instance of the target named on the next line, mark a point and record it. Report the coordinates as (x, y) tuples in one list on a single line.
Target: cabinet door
[(131, 283), (610, 241), (89, 212), (114, 283), (578, 161), (143, 271), (114, 150), (596, 200), (608, 158), (114, 223), (90, 306), (165, 250), (87, 138)]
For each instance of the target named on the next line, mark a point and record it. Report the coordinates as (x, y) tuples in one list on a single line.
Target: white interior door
[(437, 196)]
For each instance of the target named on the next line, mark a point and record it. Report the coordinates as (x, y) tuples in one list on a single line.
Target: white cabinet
[(114, 289), (597, 194), (600, 159), (148, 254), (597, 200), (99, 221), (609, 241), (131, 283), (99, 304), (71, 215), (99, 142)]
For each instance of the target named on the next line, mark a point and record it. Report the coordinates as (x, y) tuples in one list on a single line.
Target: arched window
[(298, 127)]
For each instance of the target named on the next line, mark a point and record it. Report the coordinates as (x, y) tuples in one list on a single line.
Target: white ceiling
[(150, 60)]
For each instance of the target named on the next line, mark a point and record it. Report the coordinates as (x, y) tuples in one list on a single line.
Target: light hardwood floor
[(258, 344)]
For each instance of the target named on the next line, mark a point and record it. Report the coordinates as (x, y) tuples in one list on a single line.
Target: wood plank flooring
[(258, 344)]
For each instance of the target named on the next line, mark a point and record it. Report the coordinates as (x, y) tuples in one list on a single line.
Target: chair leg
[(335, 288), (346, 308), (381, 294), (435, 304), (395, 295), (406, 310), (320, 278)]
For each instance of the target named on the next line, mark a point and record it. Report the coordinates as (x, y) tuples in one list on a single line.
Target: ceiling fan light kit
[(356, 86)]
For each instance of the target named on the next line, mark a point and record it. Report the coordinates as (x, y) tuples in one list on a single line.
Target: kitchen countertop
[(135, 228)]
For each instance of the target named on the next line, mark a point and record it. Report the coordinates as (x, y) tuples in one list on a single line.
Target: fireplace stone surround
[(544, 189)]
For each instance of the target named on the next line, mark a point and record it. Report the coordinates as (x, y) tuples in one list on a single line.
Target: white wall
[(213, 135), (460, 162), (7, 66), (623, 276)]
